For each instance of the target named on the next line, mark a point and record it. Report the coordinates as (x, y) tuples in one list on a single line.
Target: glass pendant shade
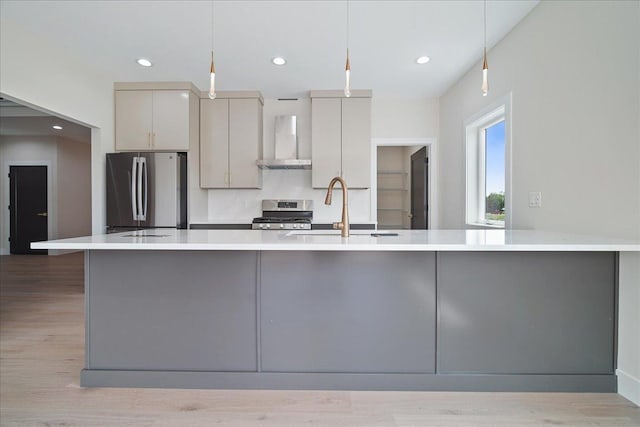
[(212, 80), (347, 72), (485, 76)]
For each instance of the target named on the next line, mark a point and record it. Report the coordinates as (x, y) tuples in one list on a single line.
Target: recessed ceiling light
[(278, 60), (56, 127), (423, 60), (144, 62)]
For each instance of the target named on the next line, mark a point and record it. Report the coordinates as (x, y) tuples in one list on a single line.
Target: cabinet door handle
[(148, 139), (153, 139)]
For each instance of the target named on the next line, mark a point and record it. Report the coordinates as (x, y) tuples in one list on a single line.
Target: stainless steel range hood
[(286, 147)]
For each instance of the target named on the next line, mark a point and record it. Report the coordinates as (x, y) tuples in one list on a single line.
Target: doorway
[(28, 214), (382, 194), (33, 137), (402, 203)]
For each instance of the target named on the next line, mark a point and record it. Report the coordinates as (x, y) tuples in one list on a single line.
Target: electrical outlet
[(535, 199)]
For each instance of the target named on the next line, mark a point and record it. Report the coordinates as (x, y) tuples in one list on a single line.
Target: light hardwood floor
[(41, 355)]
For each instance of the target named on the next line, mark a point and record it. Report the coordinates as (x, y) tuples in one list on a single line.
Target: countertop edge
[(338, 247), (393, 240)]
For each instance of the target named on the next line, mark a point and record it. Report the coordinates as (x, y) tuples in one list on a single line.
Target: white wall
[(391, 118), (69, 182), (37, 73), (404, 118), (74, 189), (572, 68), (573, 71)]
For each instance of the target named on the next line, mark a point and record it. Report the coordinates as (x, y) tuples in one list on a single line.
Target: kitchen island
[(421, 310)]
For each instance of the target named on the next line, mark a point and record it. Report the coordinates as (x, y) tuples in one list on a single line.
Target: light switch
[(535, 199)]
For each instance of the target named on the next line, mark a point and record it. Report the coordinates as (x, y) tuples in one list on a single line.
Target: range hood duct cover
[(286, 146)]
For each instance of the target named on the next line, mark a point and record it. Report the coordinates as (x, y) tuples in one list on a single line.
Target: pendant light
[(485, 67), (212, 68), (347, 68)]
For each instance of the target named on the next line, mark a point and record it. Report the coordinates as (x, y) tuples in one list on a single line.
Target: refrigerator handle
[(141, 164), (134, 179), (143, 215)]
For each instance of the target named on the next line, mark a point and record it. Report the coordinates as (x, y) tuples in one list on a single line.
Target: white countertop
[(360, 240)]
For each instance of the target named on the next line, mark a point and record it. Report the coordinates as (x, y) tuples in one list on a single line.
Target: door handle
[(42, 214)]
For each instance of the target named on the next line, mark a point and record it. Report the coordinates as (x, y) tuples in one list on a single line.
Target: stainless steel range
[(284, 215)]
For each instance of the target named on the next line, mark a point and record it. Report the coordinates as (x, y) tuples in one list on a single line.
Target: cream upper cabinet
[(214, 143), (134, 119), (340, 139), (245, 143), (155, 120), (170, 120), (230, 142), (326, 140), (356, 142)]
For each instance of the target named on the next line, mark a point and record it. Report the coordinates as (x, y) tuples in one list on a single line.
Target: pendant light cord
[(211, 25), (348, 18), (485, 26)]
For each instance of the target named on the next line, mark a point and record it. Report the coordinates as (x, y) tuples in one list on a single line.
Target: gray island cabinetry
[(348, 312), (252, 309)]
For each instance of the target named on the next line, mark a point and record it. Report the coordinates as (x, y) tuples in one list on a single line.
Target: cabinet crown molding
[(156, 86)]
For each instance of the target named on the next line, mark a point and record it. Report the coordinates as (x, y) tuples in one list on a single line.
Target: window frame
[(475, 170)]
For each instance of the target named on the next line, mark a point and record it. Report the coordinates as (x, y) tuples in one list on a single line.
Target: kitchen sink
[(373, 233), (146, 235)]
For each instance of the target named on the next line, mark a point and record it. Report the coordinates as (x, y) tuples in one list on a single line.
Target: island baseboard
[(347, 381)]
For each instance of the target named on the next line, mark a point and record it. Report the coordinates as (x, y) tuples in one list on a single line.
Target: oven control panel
[(281, 226)]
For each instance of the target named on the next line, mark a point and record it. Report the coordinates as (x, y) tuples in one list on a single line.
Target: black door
[(28, 208), (419, 167)]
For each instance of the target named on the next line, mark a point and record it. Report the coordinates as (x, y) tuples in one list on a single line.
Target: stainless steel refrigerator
[(146, 190)]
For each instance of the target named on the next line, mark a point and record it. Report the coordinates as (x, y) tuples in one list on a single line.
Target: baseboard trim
[(628, 386), (332, 381)]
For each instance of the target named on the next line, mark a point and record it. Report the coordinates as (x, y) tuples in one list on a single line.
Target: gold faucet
[(344, 224)]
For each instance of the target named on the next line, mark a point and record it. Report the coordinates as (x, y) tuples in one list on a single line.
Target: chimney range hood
[(286, 147)]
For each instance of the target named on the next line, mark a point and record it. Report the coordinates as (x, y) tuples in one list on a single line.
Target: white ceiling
[(18, 120), (385, 39)]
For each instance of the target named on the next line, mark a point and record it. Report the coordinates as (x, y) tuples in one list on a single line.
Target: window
[(494, 167), (488, 165)]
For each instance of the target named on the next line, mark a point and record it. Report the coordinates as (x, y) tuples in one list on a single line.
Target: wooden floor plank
[(41, 355)]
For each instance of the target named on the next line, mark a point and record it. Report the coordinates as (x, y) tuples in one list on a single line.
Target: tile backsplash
[(241, 206)]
